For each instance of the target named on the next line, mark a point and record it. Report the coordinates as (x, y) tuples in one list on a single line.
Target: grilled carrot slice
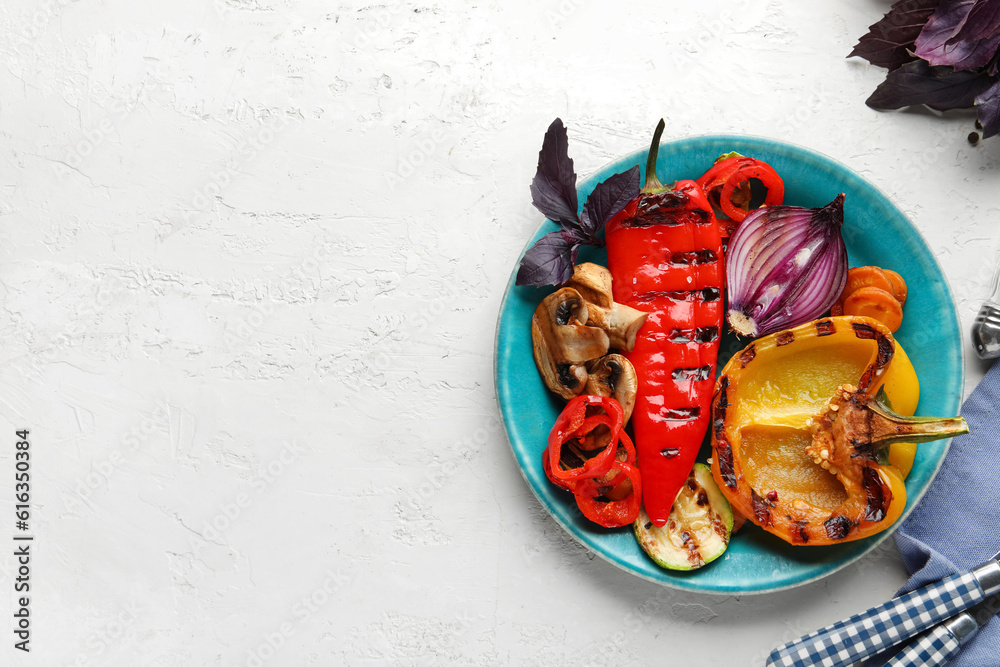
[(898, 286), (877, 304), (866, 276)]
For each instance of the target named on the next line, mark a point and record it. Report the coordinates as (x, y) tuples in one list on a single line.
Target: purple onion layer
[(786, 266)]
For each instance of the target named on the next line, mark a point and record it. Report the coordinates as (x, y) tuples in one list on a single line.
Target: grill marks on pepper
[(838, 527), (704, 295), (694, 335), (784, 338), (666, 208), (883, 356), (879, 496), (826, 328), (748, 355), (689, 257), (801, 535), (723, 449), (679, 414), (761, 509), (695, 374)]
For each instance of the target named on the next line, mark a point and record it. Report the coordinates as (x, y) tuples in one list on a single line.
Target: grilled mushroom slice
[(613, 375), (563, 343), (621, 322)]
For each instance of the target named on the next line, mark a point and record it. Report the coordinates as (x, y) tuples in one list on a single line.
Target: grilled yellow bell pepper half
[(763, 412)]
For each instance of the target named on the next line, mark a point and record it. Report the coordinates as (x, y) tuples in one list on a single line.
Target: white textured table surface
[(251, 257)]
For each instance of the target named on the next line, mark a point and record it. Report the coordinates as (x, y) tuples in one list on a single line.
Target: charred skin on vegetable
[(676, 349), (697, 530), (605, 483), (793, 520), (843, 439)]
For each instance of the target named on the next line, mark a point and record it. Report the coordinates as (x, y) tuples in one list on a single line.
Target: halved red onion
[(786, 265)]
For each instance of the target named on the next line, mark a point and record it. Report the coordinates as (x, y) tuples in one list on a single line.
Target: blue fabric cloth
[(955, 526)]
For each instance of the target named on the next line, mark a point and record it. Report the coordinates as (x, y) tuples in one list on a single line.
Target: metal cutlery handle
[(986, 328), (938, 646), (871, 632)]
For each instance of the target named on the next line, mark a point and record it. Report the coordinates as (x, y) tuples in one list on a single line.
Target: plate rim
[(680, 583)]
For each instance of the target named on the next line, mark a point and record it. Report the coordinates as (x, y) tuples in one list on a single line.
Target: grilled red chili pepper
[(665, 256)]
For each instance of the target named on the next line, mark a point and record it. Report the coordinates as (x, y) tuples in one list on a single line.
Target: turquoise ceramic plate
[(877, 233)]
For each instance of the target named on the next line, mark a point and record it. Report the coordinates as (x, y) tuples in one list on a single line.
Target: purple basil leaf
[(553, 190), (971, 55), (983, 22), (938, 45), (988, 109), (549, 262), (607, 200), (889, 41), (940, 88)]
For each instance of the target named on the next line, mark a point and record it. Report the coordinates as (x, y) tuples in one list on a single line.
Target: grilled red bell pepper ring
[(612, 478), (614, 513), (607, 487), (573, 423), (729, 173), (750, 168)]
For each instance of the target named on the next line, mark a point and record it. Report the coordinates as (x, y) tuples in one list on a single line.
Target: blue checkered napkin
[(956, 526)]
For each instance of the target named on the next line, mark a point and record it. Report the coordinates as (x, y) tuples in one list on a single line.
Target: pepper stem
[(855, 423), (888, 427), (652, 182)]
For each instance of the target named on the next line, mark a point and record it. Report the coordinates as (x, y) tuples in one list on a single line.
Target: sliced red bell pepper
[(606, 486), (572, 424), (750, 168), (722, 180), (614, 513)]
